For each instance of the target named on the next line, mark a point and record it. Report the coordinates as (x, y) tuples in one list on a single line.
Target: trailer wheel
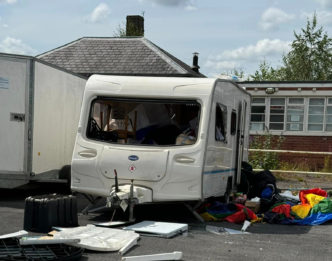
[(65, 173), (44, 211)]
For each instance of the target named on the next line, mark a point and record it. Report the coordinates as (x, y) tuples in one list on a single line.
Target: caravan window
[(233, 122), (221, 123), (144, 121)]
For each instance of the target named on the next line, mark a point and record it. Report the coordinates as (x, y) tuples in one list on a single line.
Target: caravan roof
[(150, 86)]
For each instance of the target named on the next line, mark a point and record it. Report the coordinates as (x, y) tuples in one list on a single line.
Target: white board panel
[(57, 104), (13, 87)]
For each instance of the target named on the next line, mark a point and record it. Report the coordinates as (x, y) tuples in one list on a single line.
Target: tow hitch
[(127, 196)]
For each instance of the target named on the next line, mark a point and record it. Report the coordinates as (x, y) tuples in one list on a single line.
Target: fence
[(295, 152)]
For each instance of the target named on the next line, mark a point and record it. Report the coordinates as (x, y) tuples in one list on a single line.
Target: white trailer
[(40, 107), (164, 138)]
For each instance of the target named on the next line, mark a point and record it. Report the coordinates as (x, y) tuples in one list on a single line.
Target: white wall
[(12, 100), (57, 103)]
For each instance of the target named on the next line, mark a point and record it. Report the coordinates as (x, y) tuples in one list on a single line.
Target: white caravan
[(164, 138), (40, 108)]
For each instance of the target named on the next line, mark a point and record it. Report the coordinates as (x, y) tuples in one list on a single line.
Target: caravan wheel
[(65, 173)]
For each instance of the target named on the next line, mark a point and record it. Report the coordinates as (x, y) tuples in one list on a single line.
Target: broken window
[(143, 121)]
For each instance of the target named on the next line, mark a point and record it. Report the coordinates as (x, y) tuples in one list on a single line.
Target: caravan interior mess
[(144, 121)]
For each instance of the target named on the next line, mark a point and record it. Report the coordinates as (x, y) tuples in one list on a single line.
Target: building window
[(316, 114), (257, 114), (295, 114), (277, 113), (329, 115), (221, 122)]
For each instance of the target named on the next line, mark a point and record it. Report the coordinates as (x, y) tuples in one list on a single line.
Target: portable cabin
[(160, 138), (40, 109)]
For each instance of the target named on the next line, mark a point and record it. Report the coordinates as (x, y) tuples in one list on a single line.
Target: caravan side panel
[(218, 160), (14, 86), (221, 160), (58, 97)]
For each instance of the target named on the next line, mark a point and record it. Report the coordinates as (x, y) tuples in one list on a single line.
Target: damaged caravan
[(155, 139)]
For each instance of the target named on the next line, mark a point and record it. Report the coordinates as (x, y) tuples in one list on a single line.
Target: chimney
[(135, 25), (195, 66)]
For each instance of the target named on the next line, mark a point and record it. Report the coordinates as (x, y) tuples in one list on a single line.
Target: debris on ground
[(265, 202), (231, 212), (99, 238), (11, 249), (47, 240), (17, 234), (315, 208), (176, 255), (41, 212), (159, 229), (223, 230), (253, 204)]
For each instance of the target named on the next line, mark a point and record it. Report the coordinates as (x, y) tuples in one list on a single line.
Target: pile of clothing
[(314, 208), (232, 212)]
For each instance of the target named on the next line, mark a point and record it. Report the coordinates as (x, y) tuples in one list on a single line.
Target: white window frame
[(284, 114), (305, 130), (288, 104), (324, 114), (261, 104)]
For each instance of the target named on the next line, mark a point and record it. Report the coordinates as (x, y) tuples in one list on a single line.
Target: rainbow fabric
[(315, 209)]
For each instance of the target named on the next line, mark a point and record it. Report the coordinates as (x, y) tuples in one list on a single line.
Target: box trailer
[(40, 107), (155, 139)]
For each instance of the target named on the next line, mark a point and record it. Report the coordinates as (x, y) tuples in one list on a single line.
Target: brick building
[(300, 112)]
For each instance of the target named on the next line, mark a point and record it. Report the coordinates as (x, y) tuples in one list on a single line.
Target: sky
[(227, 34)]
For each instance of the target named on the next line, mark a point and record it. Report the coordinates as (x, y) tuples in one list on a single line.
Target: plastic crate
[(44, 211)]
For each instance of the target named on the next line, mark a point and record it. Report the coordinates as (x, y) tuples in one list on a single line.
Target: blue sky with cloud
[(228, 34)]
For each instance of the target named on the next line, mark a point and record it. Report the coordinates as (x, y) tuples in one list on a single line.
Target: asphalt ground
[(265, 241)]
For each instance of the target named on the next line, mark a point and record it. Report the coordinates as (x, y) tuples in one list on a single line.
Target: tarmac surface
[(265, 241)]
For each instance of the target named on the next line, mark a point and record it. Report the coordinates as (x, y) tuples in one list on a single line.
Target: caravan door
[(14, 85), (240, 139)]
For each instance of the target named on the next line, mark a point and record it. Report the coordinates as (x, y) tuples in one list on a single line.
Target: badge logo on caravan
[(133, 158), (132, 168)]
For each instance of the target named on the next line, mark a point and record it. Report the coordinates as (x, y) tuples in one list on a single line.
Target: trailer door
[(13, 88), (240, 139)]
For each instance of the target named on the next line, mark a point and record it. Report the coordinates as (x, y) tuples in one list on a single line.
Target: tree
[(310, 58), (268, 73), (120, 31), (238, 73)]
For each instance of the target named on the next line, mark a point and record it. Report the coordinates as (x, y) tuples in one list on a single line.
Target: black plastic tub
[(44, 211)]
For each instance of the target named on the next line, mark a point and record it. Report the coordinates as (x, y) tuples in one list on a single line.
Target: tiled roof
[(121, 56)]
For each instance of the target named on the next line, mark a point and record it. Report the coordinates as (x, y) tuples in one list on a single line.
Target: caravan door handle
[(88, 153), (184, 159)]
